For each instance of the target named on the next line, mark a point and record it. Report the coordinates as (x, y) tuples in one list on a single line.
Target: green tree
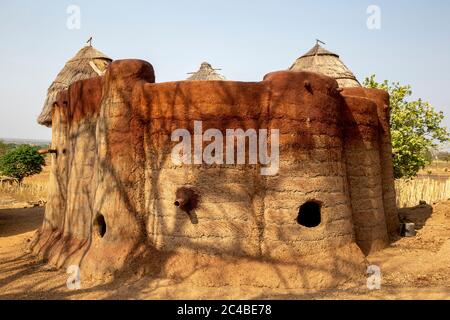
[(21, 162), (416, 128)]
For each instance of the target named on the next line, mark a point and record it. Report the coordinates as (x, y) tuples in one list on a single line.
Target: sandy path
[(411, 268)]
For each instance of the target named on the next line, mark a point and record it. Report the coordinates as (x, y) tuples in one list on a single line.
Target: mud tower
[(118, 201)]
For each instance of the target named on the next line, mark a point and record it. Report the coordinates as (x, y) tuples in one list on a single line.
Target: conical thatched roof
[(328, 63), (87, 63), (206, 72)]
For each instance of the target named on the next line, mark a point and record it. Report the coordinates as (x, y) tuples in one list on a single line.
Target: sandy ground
[(412, 268)]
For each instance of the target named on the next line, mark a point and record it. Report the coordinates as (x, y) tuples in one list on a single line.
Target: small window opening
[(100, 225), (309, 214)]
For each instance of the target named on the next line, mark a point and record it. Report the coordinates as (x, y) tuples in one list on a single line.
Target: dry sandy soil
[(412, 268)]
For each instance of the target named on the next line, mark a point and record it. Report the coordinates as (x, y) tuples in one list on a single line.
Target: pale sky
[(246, 39)]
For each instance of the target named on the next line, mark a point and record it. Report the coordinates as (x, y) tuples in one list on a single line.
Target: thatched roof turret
[(322, 61), (87, 63), (206, 72)]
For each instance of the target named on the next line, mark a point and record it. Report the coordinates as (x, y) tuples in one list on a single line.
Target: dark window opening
[(100, 225), (309, 214)]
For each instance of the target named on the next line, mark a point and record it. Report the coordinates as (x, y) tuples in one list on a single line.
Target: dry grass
[(438, 167), (33, 188)]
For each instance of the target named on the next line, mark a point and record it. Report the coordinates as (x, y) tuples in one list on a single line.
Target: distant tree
[(416, 128), (21, 162), (443, 156), (430, 155), (3, 148)]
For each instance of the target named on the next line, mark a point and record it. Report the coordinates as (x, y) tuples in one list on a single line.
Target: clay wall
[(362, 154), (381, 99), (113, 182)]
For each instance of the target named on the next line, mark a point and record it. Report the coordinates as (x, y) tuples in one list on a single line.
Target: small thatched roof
[(328, 63), (87, 63), (206, 72)]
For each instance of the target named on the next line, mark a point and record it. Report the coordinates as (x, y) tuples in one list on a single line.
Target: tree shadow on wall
[(65, 236), (181, 96)]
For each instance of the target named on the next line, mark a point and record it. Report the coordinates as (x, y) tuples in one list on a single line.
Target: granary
[(118, 201), (87, 63), (206, 72), (328, 63)]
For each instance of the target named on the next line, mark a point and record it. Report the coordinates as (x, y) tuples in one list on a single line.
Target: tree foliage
[(416, 128), (21, 162)]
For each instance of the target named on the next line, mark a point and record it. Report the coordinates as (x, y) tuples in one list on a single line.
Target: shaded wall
[(66, 232), (362, 154), (381, 99)]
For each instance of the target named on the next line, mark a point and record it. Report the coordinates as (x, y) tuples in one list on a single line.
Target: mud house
[(118, 202)]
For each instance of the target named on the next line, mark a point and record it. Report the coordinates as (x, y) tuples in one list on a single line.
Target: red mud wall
[(228, 218), (113, 189)]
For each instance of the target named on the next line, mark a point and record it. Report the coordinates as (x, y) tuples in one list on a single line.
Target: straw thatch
[(206, 72), (328, 63), (87, 63)]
